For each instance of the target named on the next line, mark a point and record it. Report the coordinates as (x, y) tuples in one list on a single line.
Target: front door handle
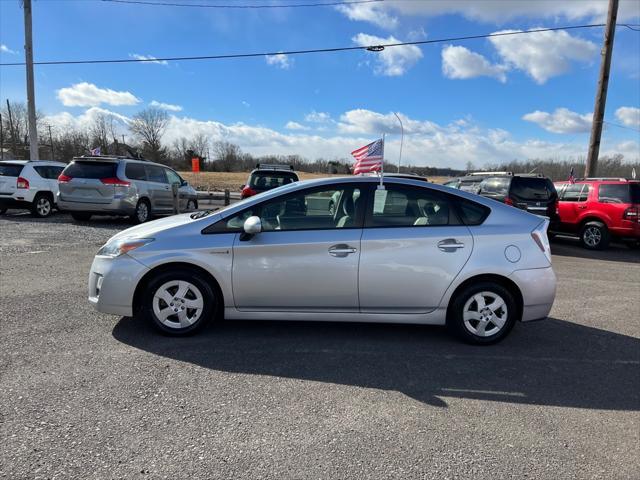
[(450, 245), (341, 250)]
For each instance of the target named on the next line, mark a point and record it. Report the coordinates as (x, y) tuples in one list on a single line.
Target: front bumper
[(538, 288), (112, 284)]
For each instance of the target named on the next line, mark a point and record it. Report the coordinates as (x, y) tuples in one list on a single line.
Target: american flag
[(369, 158), (572, 177)]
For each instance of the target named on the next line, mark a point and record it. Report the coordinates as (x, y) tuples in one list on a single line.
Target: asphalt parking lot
[(87, 395)]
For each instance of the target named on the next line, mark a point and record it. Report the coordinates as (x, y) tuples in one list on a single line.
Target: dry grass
[(219, 181)]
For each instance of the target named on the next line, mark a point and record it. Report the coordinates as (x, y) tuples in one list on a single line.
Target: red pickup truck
[(599, 209)]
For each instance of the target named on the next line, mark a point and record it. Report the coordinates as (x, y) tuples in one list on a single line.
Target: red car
[(598, 209)]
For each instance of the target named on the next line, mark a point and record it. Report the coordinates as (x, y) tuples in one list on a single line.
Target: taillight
[(247, 192), (508, 201), (632, 214), (557, 207), (541, 238), (22, 183), (62, 178), (115, 181)]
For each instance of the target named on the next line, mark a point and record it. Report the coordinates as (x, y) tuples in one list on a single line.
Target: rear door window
[(94, 170), (402, 206), (615, 193), (135, 171), (573, 193), (10, 170), (155, 174), (533, 188)]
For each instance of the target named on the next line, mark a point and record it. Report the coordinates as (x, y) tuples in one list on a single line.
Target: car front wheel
[(179, 302), (483, 313), (594, 236), (42, 206)]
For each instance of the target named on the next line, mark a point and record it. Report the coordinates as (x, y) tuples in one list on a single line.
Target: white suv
[(29, 184)]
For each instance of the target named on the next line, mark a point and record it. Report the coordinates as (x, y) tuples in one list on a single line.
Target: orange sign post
[(195, 164)]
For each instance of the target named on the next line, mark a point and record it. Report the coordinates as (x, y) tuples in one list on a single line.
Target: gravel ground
[(87, 395)]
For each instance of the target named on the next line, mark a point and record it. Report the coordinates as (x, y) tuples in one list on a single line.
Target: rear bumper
[(538, 288), (10, 202), (119, 206)]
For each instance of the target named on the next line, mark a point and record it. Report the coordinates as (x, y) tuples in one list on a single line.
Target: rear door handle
[(450, 245), (341, 250)]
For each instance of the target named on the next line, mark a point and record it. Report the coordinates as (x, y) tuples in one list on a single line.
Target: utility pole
[(1, 139), (53, 153), (31, 99), (601, 91)]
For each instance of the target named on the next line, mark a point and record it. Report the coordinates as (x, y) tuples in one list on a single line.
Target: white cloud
[(245, 103), (361, 121), (562, 120), (427, 143), (629, 116), (317, 117), (279, 60), (150, 58), (543, 55), (490, 11), (88, 95), (165, 106), (67, 121), (5, 49), (295, 126), (392, 61), (460, 62), (369, 12)]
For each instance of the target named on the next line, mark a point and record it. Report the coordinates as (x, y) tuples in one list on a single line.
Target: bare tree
[(102, 131), (148, 126), (227, 156), (15, 128)]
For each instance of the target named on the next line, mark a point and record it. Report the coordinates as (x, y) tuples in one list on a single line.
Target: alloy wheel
[(43, 206), (484, 314), (178, 304), (142, 212), (592, 236)]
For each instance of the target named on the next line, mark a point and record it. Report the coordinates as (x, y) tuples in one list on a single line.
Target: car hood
[(150, 229)]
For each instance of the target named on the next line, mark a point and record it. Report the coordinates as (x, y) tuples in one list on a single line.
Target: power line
[(375, 48), (231, 6), (607, 122)]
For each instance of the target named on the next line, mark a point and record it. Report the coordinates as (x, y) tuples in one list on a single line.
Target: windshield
[(267, 180), (259, 196)]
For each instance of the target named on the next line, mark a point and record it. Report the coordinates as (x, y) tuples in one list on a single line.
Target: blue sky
[(481, 101)]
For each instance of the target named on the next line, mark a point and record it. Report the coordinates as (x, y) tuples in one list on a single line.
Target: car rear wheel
[(483, 313), (142, 213), (191, 205), (594, 236), (179, 302), (42, 206), (80, 216)]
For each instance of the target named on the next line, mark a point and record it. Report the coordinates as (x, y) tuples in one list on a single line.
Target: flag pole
[(382, 165)]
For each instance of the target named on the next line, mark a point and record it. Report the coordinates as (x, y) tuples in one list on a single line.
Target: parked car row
[(594, 209), (95, 185)]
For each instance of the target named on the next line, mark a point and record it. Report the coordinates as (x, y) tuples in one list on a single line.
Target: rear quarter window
[(472, 213), (135, 171), (94, 170), (615, 193), (10, 170), (532, 188), (495, 186)]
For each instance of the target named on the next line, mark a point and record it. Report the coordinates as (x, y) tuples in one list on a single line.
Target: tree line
[(147, 128)]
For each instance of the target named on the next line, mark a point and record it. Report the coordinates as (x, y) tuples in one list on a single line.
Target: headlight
[(121, 246)]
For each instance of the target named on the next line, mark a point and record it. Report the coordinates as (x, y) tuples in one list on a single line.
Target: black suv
[(533, 193), (266, 177)]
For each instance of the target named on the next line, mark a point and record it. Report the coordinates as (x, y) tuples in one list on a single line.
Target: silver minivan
[(111, 185)]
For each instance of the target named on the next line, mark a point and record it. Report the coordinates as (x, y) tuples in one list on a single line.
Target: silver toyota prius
[(406, 251)]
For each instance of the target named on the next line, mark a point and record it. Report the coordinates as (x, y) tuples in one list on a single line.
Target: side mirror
[(252, 225)]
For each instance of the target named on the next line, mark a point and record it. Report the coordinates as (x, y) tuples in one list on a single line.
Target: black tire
[(3, 210), (81, 216), (42, 205), (142, 213), (209, 297), (594, 236), (635, 245), (192, 205), (455, 319)]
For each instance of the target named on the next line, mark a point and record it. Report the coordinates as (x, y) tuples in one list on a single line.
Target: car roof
[(33, 162)]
